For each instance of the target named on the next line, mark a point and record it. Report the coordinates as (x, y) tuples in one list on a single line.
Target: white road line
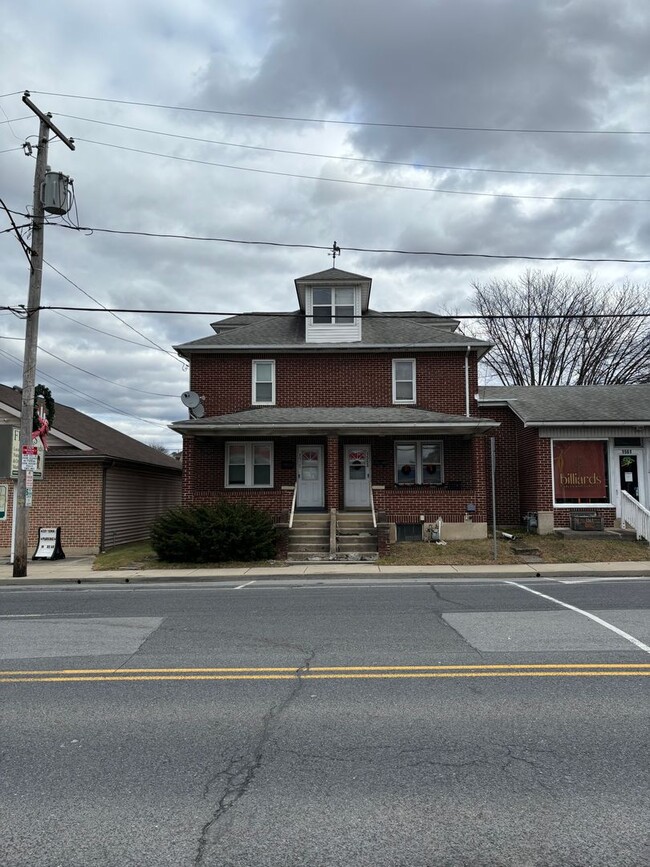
[(593, 617), (602, 580), (247, 584)]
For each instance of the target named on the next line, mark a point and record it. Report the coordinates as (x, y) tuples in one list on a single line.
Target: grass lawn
[(477, 552)]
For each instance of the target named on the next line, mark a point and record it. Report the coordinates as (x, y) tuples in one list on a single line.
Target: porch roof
[(389, 420)]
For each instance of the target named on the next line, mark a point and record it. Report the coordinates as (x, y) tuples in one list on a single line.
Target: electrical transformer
[(55, 194)]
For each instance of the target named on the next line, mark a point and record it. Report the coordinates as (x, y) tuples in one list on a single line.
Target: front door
[(309, 477), (357, 477), (628, 474)]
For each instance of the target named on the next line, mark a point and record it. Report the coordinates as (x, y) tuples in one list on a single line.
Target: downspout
[(467, 381)]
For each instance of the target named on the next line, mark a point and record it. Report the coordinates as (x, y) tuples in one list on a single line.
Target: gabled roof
[(381, 331), (620, 405), (275, 420), (333, 277), (99, 439)]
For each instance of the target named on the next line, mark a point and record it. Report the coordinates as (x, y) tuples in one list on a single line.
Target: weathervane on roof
[(336, 251)]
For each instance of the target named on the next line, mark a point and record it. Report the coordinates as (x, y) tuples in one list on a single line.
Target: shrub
[(213, 534)]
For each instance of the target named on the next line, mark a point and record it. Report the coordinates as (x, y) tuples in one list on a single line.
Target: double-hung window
[(335, 305), (418, 463), (249, 465), (264, 382), (403, 380)]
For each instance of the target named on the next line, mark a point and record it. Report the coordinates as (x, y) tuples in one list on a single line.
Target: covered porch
[(408, 467)]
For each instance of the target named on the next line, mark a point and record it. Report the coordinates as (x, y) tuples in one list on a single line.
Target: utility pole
[(31, 331)]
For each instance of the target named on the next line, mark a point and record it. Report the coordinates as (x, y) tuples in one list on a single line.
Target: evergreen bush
[(214, 534)]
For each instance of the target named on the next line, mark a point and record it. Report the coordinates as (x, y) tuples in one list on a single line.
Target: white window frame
[(610, 474), (418, 461), (255, 382), (395, 381), (249, 466), (334, 305)]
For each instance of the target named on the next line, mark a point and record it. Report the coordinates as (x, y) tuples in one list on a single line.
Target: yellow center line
[(291, 670), (630, 671)]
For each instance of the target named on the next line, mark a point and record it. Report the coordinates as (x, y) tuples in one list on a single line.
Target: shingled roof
[(286, 332), (577, 404), (100, 440), (381, 419)]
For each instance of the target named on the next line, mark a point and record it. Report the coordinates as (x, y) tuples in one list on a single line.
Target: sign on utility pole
[(31, 332)]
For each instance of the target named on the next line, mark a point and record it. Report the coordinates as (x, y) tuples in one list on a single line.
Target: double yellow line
[(344, 672)]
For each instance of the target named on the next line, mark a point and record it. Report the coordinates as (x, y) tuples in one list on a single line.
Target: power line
[(83, 393), (410, 164), (88, 295), (107, 333), (505, 256), (13, 93), (376, 184), (435, 127), (426, 317), (90, 373), (9, 150)]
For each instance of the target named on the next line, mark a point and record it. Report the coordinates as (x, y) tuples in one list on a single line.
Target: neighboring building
[(101, 487), (565, 453), (349, 408)]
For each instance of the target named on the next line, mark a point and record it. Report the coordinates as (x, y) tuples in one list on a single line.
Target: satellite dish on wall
[(193, 402), (190, 399)]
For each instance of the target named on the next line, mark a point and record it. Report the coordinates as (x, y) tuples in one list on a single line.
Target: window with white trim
[(419, 463), (403, 380), (249, 465), (264, 382), (333, 305)]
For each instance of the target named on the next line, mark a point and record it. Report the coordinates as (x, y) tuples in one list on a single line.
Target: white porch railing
[(372, 508), (293, 506), (633, 513)]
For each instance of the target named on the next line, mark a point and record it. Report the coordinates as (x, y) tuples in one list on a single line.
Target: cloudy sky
[(476, 126)]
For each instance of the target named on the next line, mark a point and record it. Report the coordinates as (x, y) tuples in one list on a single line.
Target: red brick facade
[(312, 379), (70, 497)]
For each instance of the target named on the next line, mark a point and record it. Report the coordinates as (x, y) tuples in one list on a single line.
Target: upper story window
[(333, 305), (403, 380), (264, 382)]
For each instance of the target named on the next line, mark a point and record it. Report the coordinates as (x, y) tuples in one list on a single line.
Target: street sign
[(16, 453), (29, 458)]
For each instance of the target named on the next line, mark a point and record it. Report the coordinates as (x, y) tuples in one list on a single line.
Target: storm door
[(309, 477), (357, 477), (628, 474)]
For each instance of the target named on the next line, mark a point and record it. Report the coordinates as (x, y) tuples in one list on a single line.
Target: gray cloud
[(552, 64)]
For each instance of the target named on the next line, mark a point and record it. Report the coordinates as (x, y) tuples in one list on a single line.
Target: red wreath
[(406, 470)]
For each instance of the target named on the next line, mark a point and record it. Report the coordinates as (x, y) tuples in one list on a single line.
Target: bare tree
[(564, 331)]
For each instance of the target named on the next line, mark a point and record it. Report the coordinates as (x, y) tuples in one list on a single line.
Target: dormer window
[(337, 303)]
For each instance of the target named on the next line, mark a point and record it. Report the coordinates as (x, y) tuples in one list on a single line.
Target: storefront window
[(580, 472)]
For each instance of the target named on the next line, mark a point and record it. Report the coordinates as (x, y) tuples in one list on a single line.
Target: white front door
[(629, 475), (309, 477), (357, 477)]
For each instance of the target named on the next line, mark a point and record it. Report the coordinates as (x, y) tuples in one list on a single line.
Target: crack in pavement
[(241, 770), (462, 605)]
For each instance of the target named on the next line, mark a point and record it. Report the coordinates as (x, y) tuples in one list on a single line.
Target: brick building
[(101, 487), (570, 454), (338, 408)]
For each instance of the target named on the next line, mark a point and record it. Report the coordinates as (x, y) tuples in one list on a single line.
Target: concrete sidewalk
[(78, 570)]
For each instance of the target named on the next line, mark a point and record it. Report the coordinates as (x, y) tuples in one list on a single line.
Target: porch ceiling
[(291, 421)]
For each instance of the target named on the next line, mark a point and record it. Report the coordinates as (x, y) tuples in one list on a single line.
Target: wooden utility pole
[(31, 332)]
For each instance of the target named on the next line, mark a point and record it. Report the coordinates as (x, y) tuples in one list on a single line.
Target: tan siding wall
[(133, 498)]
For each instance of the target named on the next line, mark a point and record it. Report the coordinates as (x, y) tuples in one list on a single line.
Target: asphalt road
[(333, 722)]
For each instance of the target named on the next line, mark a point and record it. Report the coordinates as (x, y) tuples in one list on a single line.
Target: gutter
[(467, 379)]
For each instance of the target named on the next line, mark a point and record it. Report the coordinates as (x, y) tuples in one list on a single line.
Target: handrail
[(372, 507), (293, 506), (632, 512)]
